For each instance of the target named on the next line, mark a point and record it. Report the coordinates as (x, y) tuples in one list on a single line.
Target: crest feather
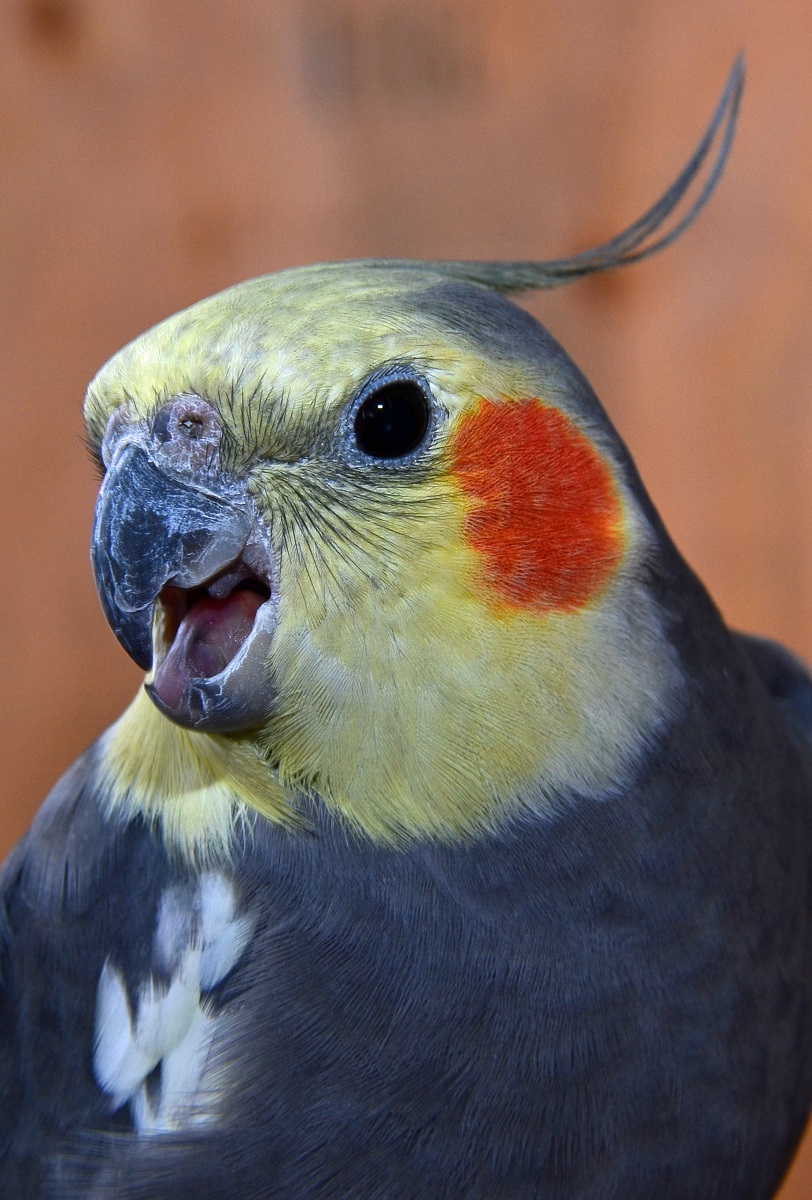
[(633, 243)]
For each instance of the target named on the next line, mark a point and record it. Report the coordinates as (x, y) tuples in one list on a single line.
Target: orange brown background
[(153, 151)]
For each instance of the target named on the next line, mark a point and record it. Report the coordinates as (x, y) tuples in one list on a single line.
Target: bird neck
[(198, 788)]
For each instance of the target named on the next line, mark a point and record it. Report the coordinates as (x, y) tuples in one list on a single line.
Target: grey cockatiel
[(454, 847)]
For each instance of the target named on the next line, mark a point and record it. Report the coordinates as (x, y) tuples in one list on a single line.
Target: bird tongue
[(208, 638)]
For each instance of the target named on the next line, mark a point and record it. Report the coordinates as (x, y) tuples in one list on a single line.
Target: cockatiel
[(453, 848)]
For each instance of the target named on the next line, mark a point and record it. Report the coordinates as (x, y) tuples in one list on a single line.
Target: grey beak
[(151, 529)]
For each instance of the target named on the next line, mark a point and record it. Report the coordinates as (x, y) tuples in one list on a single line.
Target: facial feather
[(460, 633), (547, 520)]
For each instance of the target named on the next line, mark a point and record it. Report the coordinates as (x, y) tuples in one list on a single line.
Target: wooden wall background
[(152, 152)]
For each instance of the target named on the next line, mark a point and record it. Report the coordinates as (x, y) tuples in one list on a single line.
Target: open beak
[(185, 580)]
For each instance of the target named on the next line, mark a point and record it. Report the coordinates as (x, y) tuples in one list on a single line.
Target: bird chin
[(210, 653)]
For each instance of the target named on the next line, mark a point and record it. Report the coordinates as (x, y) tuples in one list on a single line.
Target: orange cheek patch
[(546, 517)]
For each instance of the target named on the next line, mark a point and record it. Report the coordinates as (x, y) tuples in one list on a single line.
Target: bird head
[(373, 539)]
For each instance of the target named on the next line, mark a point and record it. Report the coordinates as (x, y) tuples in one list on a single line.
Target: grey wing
[(77, 887), (787, 679)]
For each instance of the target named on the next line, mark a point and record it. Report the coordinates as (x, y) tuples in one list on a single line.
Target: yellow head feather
[(412, 699)]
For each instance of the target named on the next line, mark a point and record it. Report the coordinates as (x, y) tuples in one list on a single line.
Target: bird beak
[(186, 587)]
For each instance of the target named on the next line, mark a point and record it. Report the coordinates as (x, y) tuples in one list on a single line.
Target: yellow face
[(461, 626)]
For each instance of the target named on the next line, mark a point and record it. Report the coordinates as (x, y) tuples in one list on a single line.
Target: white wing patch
[(153, 1053)]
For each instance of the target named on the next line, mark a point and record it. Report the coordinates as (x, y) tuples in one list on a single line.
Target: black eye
[(393, 420)]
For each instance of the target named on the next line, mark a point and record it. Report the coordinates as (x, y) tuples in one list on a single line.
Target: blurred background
[(153, 152)]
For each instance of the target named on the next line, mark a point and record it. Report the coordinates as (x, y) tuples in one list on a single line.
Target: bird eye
[(393, 420)]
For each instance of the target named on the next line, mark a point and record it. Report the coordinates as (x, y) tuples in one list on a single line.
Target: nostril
[(188, 431), (192, 427), (190, 417)]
